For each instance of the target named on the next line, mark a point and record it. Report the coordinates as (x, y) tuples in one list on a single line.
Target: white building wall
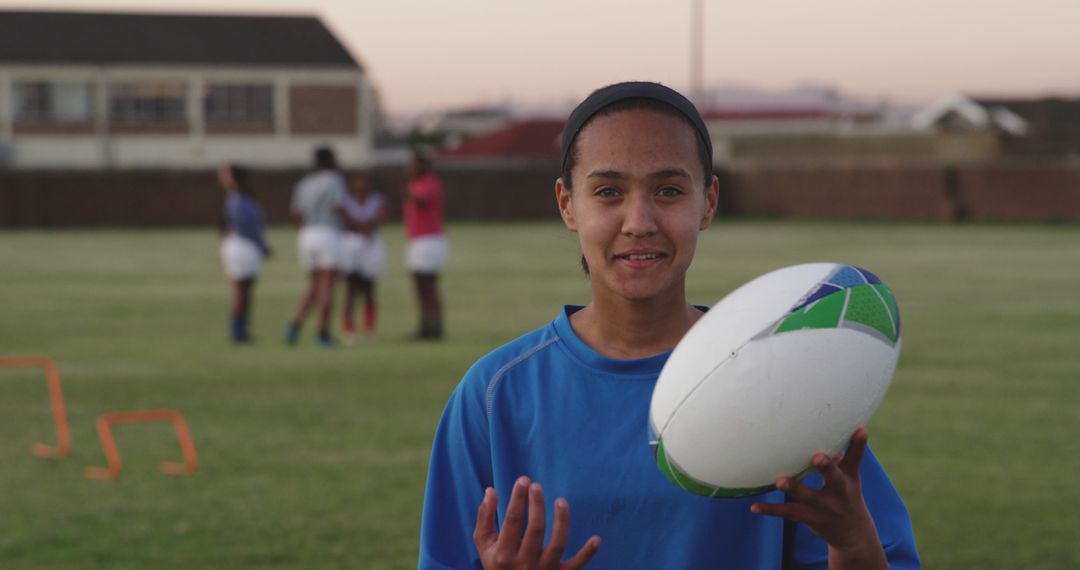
[(82, 151), (195, 148)]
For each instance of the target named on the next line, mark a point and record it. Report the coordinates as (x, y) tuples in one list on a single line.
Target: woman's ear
[(563, 198), (712, 199)]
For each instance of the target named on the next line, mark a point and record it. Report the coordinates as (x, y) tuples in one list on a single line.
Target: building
[(116, 90), (1042, 127)]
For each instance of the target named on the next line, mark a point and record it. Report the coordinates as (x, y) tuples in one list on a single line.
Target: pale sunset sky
[(429, 54)]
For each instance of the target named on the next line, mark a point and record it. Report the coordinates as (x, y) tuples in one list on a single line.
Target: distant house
[(117, 90), (524, 141), (958, 113), (1048, 126)]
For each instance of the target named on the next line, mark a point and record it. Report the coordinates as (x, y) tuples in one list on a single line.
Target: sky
[(426, 55)]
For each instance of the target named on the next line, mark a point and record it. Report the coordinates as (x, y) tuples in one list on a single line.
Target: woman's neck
[(628, 329)]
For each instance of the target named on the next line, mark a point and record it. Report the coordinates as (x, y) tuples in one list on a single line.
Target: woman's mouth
[(640, 259)]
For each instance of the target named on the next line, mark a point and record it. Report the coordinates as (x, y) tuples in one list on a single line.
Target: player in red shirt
[(427, 248)]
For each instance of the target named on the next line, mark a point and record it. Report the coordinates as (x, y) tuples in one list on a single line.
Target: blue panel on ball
[(823, 290), (847, 277), (870, 277)]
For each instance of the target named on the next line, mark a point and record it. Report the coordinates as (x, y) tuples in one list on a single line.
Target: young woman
[(317, 205), (427, 247), (566, 406), (363, 253), (243, 247)]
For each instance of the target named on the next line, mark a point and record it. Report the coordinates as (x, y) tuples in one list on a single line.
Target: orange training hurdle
[(56, 398), (104, 428)]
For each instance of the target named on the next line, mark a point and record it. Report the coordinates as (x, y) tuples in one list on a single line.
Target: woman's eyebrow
[(670, 173), (615, 174), (673, 172)]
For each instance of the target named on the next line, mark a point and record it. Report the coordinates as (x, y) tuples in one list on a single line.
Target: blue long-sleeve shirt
[(548, 406), (244, 216)]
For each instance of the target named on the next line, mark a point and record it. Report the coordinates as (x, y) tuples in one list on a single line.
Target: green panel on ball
[(684, 481), (890, 301), (867, 307), (823, 314), (678, 477)]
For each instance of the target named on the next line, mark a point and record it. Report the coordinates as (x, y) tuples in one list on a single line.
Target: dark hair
[(324, 158), (632, 104), (241, 176), (422, 160)]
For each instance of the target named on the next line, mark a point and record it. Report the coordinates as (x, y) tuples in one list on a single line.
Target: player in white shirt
[(363, 253), (317, 205)]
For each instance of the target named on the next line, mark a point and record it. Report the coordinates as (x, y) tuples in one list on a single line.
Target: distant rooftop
[(102, 38), (532, 139), (765, 114)]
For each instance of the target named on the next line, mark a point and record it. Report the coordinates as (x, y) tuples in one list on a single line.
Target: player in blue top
[(243, 246), (566, 406)]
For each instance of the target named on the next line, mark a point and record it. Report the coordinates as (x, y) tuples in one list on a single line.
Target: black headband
[(606, 96)]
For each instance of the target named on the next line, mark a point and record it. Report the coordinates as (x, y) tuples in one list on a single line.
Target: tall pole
[(697, 40)]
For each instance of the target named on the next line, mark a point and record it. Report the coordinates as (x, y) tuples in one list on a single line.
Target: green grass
[(315, 459)]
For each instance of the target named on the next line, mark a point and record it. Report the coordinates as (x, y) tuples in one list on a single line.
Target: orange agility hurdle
[(56, 398), (104, 428)]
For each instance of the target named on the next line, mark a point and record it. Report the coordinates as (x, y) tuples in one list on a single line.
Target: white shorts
[(427, 254), (241, 257), (363, 255), (319, 248)]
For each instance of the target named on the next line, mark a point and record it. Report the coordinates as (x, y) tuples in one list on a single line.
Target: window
[(239, 103), (148, 102), (53, 102)]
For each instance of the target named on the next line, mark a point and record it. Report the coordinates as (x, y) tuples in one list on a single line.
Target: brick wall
[(1020, 193), (916, 193), (315, 109), (150, 198)]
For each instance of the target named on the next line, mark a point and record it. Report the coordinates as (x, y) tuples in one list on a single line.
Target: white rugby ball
[(788, 365)]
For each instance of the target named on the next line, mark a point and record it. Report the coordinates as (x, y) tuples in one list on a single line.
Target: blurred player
[(363, 254), (317, 205), (243, 247), (427, 247)]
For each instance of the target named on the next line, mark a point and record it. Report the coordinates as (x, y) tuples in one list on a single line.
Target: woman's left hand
[(836, 512)]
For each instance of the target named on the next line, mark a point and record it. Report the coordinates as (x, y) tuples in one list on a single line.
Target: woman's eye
[(669, 191), (607, 192)]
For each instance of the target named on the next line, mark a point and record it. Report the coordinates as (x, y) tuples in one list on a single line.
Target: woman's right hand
[(509, 549)]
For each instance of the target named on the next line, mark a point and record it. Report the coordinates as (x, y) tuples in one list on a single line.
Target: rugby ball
[(788, 365)]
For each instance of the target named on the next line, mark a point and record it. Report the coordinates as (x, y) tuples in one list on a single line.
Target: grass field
[(316, 459)]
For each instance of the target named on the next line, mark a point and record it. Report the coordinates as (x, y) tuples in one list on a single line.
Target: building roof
[(1043, 114), (29, 37), (1044, 125), (765, 114), (983, 114), (533, 138)]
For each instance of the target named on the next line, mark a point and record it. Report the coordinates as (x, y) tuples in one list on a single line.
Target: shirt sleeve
[(341, 189), (352, 209), (805, 550), (258, 228), (230, 215), (458, 474)]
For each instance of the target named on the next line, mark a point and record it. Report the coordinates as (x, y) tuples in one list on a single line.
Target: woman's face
[(358, 185), (637, 203), (225, 179)]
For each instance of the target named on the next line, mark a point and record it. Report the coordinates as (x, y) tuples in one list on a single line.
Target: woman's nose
[(640, 218)]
